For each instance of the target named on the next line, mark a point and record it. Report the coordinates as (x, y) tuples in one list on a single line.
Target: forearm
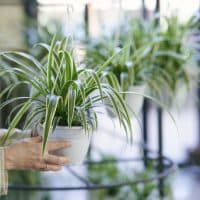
[(18, 134), (3, 174)]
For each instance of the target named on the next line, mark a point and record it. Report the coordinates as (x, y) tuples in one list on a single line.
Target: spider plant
[(42, 33), (170, 59), (62, 93), (133, 65), (151, 55), (5, 81), (126, 66)]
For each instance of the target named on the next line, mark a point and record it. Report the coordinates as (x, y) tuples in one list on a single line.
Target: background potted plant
[(174, 58), (63, 97), (132, 65), (99, 52), (152, 62), (171, 60)]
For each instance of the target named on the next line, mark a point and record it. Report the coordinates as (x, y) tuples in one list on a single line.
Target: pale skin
[(27, 154)]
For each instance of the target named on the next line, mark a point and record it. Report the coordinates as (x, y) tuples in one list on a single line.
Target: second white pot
[(78, 139), (135, 101)]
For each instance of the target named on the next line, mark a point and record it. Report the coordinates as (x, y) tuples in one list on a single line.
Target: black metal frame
[(169, 168), (145, 128), (198, 93), (159, 114)]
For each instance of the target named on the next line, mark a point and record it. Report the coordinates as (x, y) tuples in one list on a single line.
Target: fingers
[(47, 167), (56, 145), (51, 163), (53, 167), (56, 160)]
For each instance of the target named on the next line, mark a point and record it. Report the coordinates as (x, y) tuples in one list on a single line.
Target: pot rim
[(65, 127), (69, 128), (137, 87)]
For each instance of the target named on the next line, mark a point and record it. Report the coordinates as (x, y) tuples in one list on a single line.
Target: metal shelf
[(85, 184)]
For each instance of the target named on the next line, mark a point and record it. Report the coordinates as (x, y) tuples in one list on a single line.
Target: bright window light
[(184, 8)]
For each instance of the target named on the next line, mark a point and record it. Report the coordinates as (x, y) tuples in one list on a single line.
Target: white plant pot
[(135, 101), (77, 137), (180, 96)]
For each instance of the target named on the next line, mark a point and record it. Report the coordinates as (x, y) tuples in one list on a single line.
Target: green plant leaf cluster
[(61, 92), (152, 55)]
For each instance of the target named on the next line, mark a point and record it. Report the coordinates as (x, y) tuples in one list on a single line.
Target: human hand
[(28, 155)]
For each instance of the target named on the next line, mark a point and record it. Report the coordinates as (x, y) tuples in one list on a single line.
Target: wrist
[(9, 164), (3, 173)]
